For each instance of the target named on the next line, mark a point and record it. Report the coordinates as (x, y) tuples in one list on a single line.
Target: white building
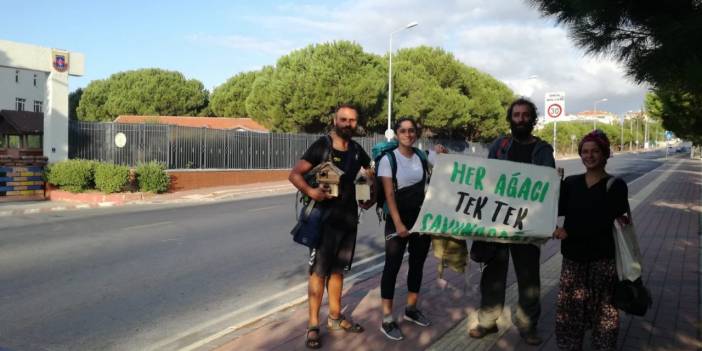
[(597, 117), (28, 91), (35, 79)]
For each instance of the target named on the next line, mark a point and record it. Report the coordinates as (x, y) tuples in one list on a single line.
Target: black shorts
[(337, 246)]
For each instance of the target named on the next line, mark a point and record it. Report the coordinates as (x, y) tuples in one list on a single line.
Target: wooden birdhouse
[(328, 176)]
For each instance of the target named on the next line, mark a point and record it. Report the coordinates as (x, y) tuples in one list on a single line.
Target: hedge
[(152, 177), (111, 178), (72, 175)]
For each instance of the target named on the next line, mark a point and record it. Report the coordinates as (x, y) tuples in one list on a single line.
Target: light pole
[(646, 141), (389, 133), (621, 137), (594, 122)]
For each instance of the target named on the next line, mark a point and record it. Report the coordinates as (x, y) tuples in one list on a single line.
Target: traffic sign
[(668, 135), (554, 110), (554, 104)]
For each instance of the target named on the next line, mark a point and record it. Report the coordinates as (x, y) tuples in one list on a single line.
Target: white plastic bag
[(628, 254)]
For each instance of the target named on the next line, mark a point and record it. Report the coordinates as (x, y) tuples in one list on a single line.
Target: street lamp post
[(621, 137), (594, 122), (389, 133)]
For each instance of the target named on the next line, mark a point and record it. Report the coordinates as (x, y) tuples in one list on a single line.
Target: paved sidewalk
[(667, 212), (190, 196)]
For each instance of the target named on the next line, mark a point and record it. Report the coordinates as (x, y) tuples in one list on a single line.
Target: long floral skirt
[(585, 302)]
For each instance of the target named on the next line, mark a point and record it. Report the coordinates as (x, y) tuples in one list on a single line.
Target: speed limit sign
[(554, 104), (554, 110)]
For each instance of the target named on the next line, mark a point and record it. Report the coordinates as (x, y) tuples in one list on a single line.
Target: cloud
[(508, 39)]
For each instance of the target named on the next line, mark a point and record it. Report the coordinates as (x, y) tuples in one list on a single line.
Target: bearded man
[(523, 147), (334, 255)]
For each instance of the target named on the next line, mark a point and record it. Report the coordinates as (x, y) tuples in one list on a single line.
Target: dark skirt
[(585, 302)]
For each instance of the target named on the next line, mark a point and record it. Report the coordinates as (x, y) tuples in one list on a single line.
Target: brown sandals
[(338, 324), (313, 342), (313, 336)]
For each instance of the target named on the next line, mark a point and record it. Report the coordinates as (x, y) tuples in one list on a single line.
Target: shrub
[(72, 175), (110, 178), (152, 177)]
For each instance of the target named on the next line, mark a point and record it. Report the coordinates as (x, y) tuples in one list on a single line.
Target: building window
[(14, 142), (38, 106), (35, 79), (17, 76), (34, 141), (19, 104)]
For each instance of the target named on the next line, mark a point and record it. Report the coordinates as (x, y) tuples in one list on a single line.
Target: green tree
[(229, 99), (680, 111), (659, 42), (142, 92), (448, 96), (73, 101), (306, 85), (262, 100), (302, 90)]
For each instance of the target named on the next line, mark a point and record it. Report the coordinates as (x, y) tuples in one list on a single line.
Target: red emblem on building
[(60, 62)]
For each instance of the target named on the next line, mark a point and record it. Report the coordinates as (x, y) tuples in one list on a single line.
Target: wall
[(189, 180)]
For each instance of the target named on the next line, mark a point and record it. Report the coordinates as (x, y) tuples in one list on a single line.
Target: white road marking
[(150, 225), (300, 299), (262, 208)]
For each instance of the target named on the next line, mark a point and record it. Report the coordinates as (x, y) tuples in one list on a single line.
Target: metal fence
[(186, 148)]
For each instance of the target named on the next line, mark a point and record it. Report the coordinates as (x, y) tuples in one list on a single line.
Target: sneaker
[(417, 317), (531, 337), (479, 332), (392, 331)]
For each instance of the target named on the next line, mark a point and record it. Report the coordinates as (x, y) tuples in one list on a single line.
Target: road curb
[(209, 197)]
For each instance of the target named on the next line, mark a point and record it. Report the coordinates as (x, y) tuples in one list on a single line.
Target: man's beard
[(345, 132), (521, 131)]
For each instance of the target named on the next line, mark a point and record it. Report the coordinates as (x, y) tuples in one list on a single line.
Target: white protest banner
[(491, 200)]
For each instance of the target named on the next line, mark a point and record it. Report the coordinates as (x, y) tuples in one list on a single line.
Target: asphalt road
[(163, 277)]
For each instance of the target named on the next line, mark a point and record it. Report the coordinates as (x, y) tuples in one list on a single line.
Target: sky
[(212, 41)]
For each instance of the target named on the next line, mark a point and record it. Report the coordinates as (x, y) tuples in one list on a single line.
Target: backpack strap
[(425, 163), (502, 149), (327, 156), (393, 168), (610, 181)]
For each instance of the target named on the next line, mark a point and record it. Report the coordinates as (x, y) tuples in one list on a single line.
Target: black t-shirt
[(521, 152), (589, 217), (349, 161)]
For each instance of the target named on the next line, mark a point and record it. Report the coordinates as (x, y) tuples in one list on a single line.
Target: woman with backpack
[(590, 202), (404, 172)]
